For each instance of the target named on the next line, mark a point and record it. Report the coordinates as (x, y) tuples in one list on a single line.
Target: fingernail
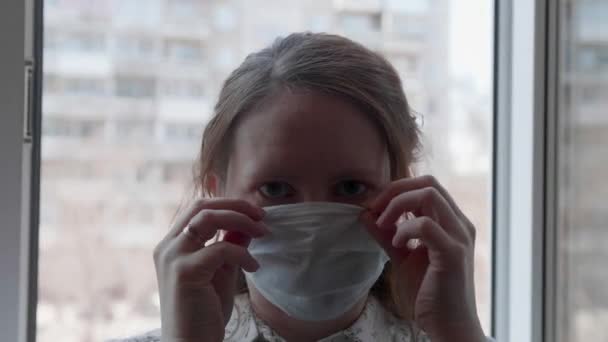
[(263, 228), (396, 243), (380, 223), (261, 213)]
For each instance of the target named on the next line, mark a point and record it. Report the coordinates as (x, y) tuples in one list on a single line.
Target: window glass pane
[(133, 47), (582, 231), (183, 89), (357, 22), (183, 50), (137, 87), (129, 86)]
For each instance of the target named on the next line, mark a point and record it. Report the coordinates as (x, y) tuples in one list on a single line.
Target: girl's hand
[(438, 273), (197, 283)]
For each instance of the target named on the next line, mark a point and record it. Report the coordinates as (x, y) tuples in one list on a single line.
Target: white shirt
[(374, 324)]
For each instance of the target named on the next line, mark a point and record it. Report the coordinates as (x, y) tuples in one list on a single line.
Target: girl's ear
[(410, 172), (213, 184)]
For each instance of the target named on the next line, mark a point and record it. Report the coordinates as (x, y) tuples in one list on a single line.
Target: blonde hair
[(332, 65)]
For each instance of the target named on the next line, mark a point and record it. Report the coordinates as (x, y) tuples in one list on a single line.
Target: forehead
[(303, 132)]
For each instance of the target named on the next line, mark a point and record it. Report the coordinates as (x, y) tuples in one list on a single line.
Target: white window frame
[(521, 209), (16, 147), (523, 196), (552, 67)]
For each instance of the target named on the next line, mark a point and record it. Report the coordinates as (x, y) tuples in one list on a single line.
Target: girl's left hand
[(438, 273)]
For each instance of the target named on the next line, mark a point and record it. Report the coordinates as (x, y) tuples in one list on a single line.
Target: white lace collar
[(374, 324)]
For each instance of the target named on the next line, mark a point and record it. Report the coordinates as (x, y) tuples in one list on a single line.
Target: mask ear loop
[(412, 243), (410, 172), (407, 215), (208, 184)]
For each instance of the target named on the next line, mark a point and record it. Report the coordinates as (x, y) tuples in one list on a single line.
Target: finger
[(411, 273), (241, 206), (207, 222), (425, 229), (409, 184), (422, 202), (211, 258), (237, 238), (443, 251), (234, 237), (384, 237)]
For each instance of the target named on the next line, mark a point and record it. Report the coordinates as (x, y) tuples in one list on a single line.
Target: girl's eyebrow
[(274, 171), (267, 170), (361, 173), (280, 168)]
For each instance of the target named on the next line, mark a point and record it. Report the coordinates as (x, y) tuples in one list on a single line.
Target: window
[(185, 9), (135, 130), (65, 172), (136, 47), (70, 85), (51, 40), (135, 87), (581, 277), (147, 173), (183, 89), (183, 51), (225, 18), (84, 86), (407, 65), (590, 20), (593, 58), (135, 13), (410, 7), (406, 26), (119, 203), (175, 172), (76, 41), (589, 93), (52, 83), (361, 22), (320, 23), (183, 131), (72, 127)]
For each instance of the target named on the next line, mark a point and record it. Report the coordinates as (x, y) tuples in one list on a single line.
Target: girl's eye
[(350, 188), (276, 189)]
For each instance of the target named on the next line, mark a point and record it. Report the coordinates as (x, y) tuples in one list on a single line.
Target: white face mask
[(319, 260)]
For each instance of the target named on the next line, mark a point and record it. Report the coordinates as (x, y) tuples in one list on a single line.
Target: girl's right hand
[(197, 283)]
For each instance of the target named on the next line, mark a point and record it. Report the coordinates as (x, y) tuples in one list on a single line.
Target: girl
[(304, 168)]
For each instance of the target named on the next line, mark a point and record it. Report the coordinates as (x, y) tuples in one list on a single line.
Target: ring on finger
[(193, 234)]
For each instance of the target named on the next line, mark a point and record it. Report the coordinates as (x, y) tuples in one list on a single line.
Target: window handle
[(28, 100)]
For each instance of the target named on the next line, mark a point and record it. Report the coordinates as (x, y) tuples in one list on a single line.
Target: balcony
[(365, 6), (98, 106), (77, 63), (185, 110), (591, 113), (194, 29)]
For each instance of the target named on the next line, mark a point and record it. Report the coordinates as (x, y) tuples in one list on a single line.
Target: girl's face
[(305, 146)]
